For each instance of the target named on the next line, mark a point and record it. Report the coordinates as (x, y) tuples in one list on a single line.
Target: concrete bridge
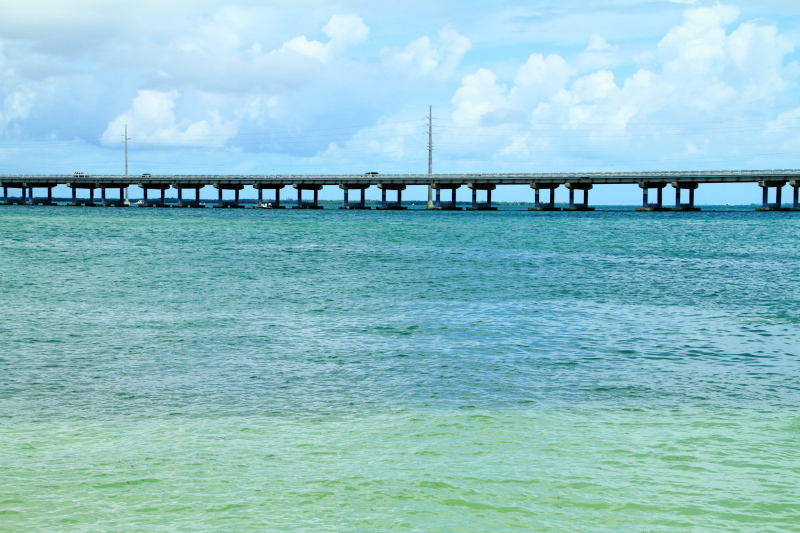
[(683, 183)]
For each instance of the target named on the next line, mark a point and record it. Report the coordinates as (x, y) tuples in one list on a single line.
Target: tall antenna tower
[(430, 154)]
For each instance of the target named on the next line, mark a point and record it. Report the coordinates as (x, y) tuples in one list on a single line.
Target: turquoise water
[(244, 370)]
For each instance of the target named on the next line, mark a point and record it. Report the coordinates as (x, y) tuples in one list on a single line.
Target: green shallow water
[(176, 370)]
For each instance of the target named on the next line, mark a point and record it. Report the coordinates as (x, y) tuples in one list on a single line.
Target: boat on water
[(265, 205)]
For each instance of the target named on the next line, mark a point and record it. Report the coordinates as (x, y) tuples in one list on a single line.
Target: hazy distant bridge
[(680, 181)]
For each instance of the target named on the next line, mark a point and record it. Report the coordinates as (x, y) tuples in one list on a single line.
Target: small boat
[(265, 205)]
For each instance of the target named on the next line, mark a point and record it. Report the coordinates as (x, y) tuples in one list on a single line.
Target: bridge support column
[(112, 202), (122, 201), (185, 203), (573, 206), (41, 201), (222, 204), (538, 205), (795, 194), (765, 187), (447, 206), (78, 201), (10, 200), (147, 202), (307, 187), (271, 205), (646, 205), (481, 206), (391, 206), (346, 187), (680, 186)]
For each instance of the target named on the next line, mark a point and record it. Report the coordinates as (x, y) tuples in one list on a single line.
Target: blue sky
[(320, 87)]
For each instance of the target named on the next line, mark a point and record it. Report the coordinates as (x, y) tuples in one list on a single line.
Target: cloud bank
[(346, 87)]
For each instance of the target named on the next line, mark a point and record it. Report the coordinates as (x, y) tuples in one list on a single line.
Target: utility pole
[(126, 159), (430, 155), (126, 149)]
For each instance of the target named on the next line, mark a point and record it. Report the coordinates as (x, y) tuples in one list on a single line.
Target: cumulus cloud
[(151, 119), (479, 95), (540, 78), (343, 31), (703, 69), (598, 44), (438, 57)]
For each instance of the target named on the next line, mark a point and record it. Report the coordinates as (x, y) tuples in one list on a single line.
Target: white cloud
[(758, 52), (343, 31), (703, 71), (698, 45), (425, 56), (598, 44), (392, 141), (540, 78), (151, 119), (478, 95), (17, 105)]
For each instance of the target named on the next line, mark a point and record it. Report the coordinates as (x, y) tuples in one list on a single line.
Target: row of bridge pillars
[(550, 204), (27, 196), (680, 205)]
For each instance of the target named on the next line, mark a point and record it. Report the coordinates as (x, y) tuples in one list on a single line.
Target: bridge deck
[(117, 180)]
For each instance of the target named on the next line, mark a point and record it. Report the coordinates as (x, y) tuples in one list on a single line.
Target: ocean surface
[(243, 370)]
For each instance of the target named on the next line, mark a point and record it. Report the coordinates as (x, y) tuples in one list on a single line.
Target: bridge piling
[(451, 206), (308, 187), (185, 203), (391, 206), (346, 187), (766, 185), (79, 201), (222, 204), (146, 201), (41, 201), (111, 202), (481, 206), (679, 186), (273, 205), (538, 205), (573, 206), (646, 205)]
